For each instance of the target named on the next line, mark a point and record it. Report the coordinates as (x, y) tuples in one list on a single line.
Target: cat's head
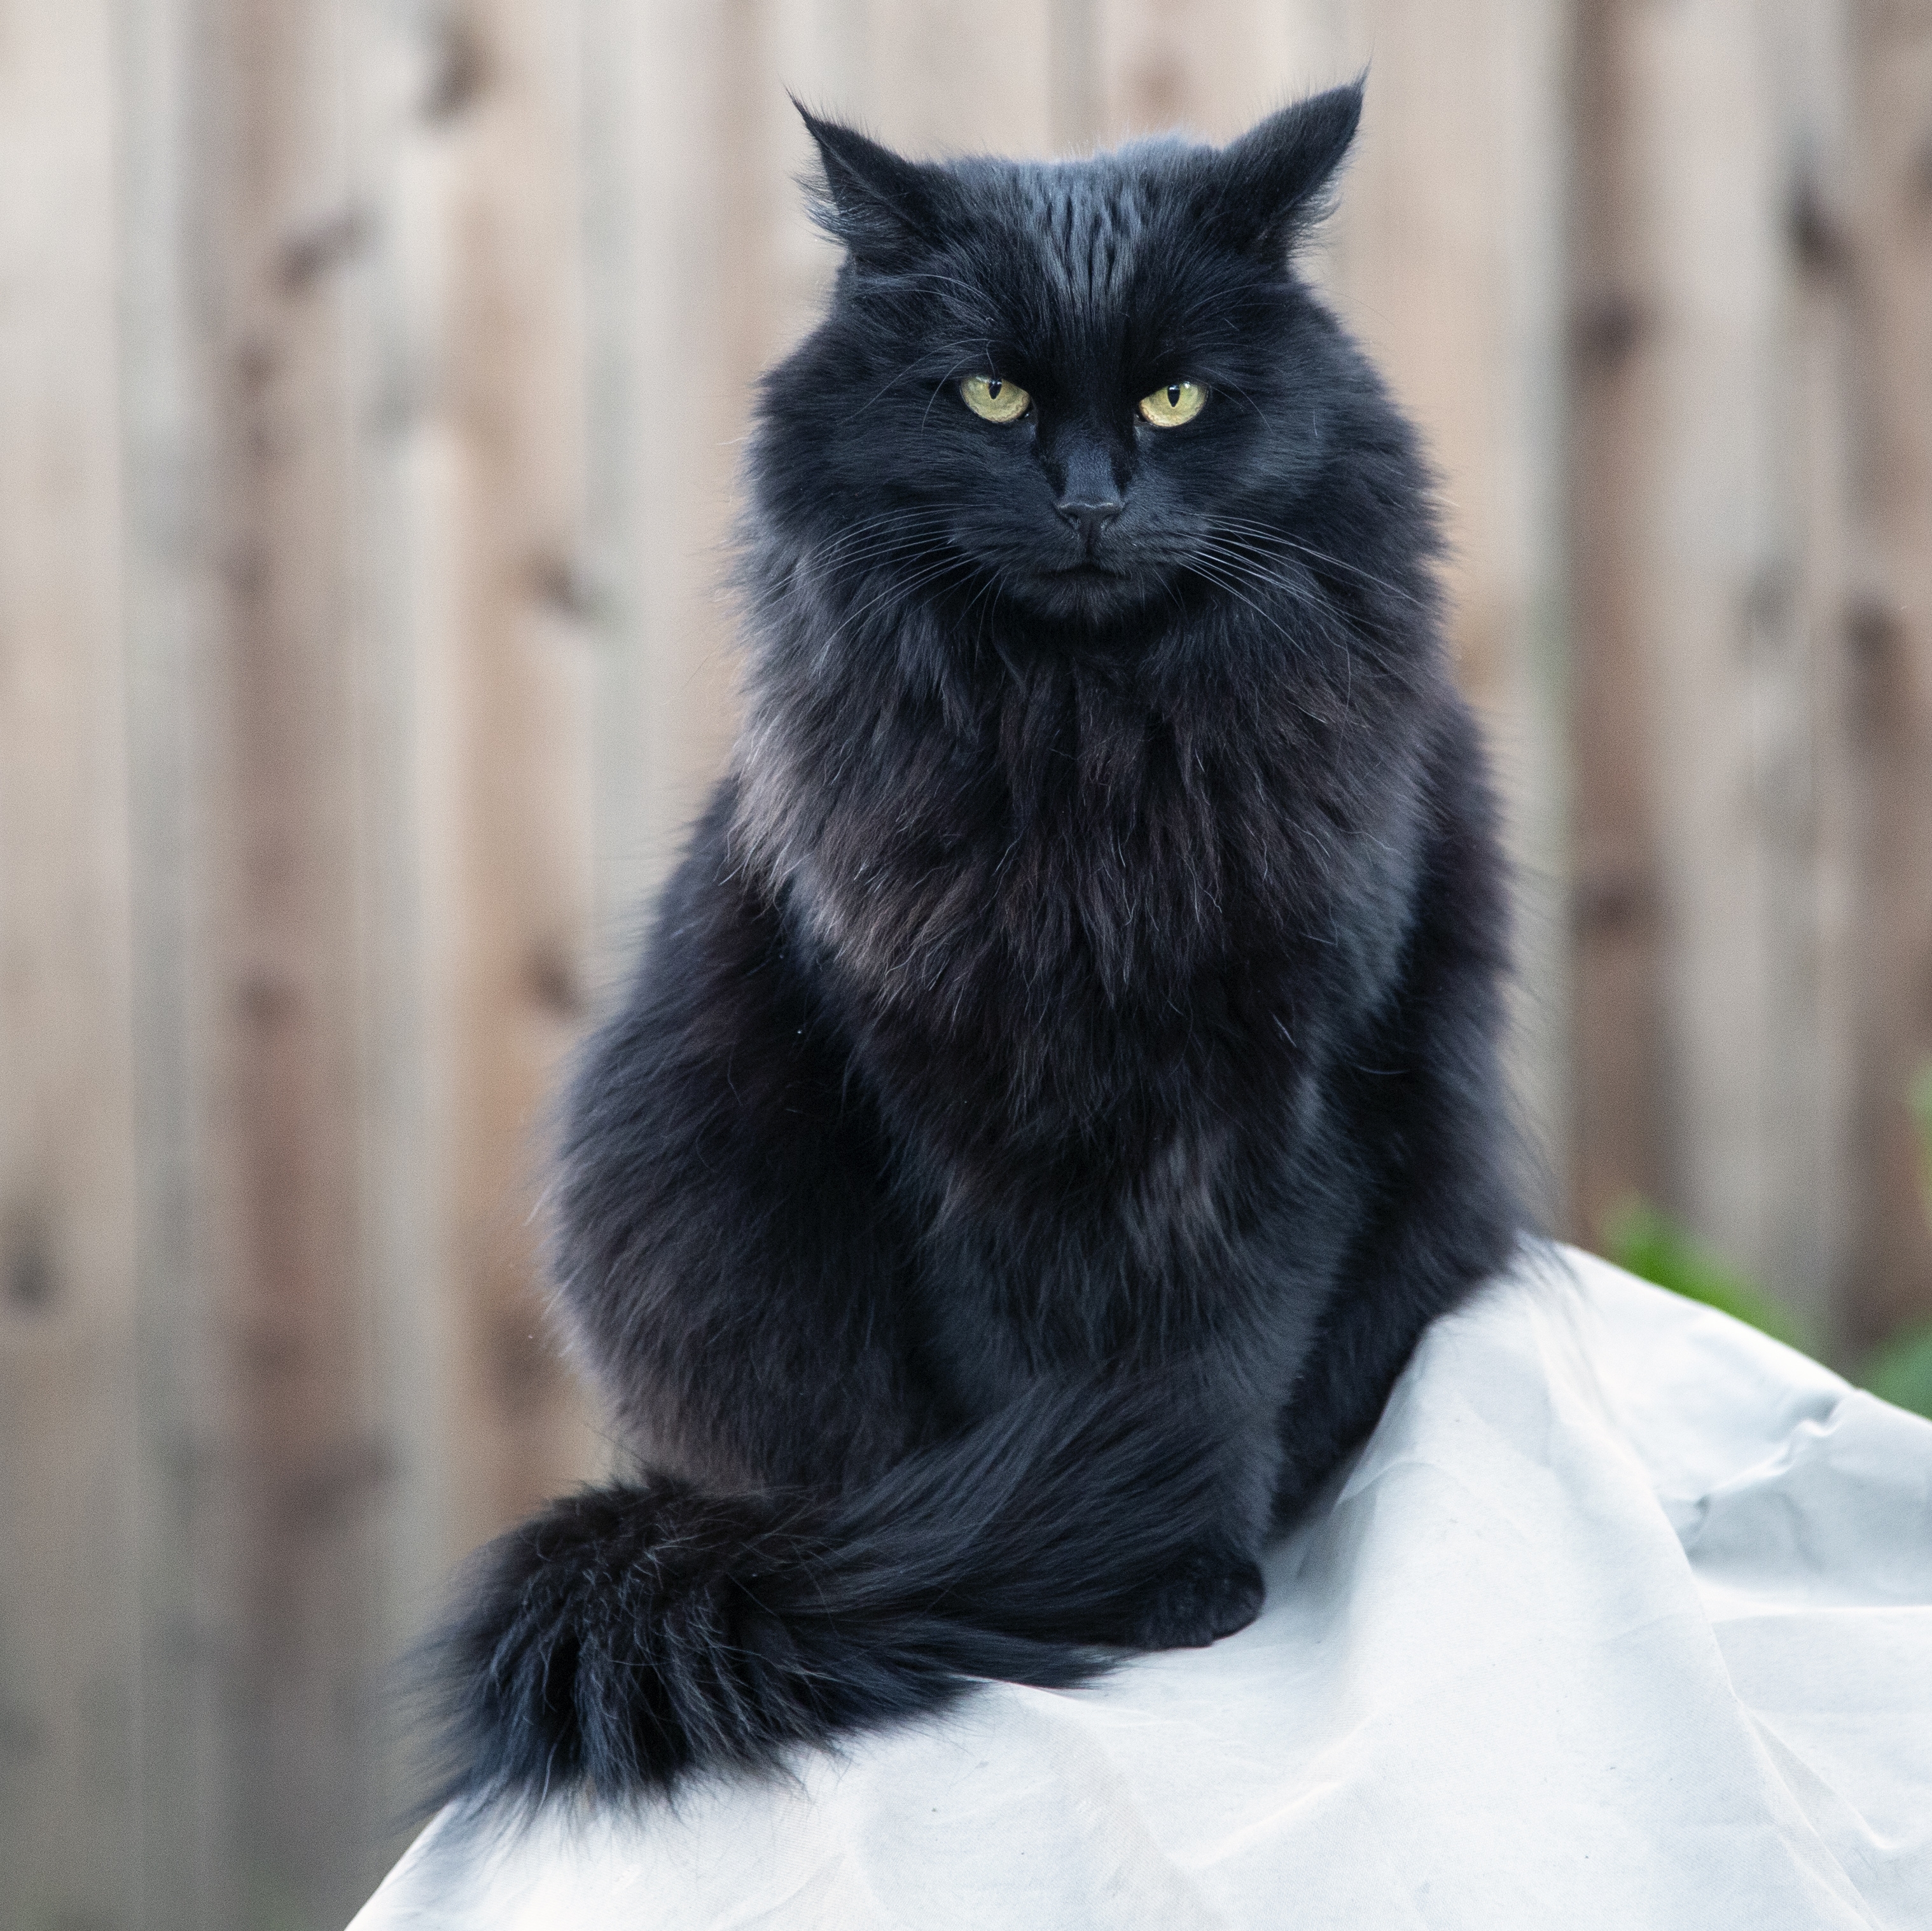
[(1079, 385)]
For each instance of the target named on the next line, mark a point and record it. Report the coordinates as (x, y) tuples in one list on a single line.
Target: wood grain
[(69, 1585)]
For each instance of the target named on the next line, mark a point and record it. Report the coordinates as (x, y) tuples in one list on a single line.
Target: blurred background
[(372, 379)]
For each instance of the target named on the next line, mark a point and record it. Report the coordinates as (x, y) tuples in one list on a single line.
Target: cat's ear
[(1275, 182), (886, 209)]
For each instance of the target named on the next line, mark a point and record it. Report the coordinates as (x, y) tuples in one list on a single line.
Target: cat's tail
[(631, 1635)]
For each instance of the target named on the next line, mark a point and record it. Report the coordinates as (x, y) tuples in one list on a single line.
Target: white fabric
[(1622, 1618)]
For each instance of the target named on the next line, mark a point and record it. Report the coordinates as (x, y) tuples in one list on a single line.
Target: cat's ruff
[(1622, 1618)]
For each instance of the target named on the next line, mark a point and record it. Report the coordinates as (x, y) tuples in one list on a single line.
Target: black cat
[(1063, 1083)]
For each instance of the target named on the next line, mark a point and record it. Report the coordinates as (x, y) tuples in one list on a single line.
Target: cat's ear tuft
[(1277, 181), (886, 209)]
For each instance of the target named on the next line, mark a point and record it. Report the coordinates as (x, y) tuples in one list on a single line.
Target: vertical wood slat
[(1804, 799), (299, 1458), (181, 1765), (668, 372), (1889, 624), (1617, 907), (505, 407), (69, 1839)]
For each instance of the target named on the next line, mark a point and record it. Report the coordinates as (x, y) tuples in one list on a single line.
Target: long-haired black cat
[(1062, 1082)]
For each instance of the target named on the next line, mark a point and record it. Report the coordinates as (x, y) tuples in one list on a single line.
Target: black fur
[(1063, 1083)]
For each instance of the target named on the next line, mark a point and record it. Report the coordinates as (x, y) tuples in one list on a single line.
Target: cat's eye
[(1169, 408), (996, 399)]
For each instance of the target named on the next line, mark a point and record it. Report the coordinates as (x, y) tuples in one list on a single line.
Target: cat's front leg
[(726, 1251), (1422, 1097)]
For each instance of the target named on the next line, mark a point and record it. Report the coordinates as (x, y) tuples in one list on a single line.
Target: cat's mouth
[(1091, 591)]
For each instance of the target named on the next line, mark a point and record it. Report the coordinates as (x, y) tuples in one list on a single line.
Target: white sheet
[(1622, 1618)]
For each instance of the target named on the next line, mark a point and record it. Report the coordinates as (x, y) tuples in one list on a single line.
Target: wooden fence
[(371, 375)]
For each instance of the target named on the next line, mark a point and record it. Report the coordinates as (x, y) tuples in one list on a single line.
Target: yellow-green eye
[(1170, 407), (996, 400)]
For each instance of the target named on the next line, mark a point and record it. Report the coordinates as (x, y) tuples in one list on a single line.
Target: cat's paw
[(1198, 1605)]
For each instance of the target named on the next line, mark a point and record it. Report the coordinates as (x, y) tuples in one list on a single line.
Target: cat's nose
[(1089, 517)]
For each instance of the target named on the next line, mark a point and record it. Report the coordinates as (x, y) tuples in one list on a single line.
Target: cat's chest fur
[(1089, 954)]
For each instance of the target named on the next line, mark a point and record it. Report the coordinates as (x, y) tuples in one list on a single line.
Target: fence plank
[(502, 406), (299, 1459), (1804, 806), (1890, 638), (1617, 1021), (680, 282), (69, 1839), (183, 1757)]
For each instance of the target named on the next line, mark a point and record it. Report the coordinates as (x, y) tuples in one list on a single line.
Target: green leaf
[(1651, 1245), (1900, 1372)]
